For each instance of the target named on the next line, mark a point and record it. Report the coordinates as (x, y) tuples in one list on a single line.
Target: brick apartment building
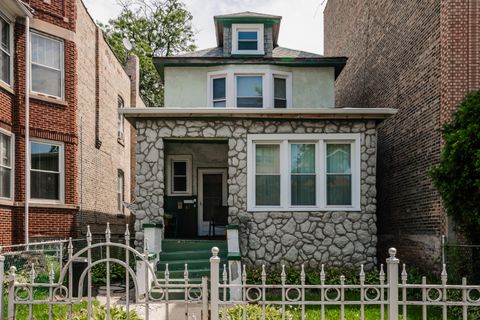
[(80, 148), (420, 57)]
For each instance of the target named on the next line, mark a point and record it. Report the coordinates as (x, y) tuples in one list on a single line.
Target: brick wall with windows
[(55, 119), (99, 163), (408, 56)]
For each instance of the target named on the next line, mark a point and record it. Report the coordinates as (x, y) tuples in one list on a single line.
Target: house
[(78, 159), (420, 58), (249, 137)]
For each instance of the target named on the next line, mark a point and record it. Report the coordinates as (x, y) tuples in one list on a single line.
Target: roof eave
[(378, 114), (337, 62)]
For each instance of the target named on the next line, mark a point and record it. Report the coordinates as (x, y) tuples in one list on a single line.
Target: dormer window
[(247, 39)]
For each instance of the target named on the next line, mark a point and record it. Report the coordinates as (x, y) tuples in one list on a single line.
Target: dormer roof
[(246, 17)]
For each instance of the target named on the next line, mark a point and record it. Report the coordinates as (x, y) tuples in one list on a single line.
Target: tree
[(457, 177), (155, 28)]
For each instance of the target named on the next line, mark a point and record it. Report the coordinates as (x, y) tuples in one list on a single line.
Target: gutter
[(27, 127)]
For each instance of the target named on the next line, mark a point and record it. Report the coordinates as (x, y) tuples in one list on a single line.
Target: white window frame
[(189, 173), (10, 54), (249, 27), (231, 86), (12, 163), (253, 74), (62, 65), (320, 140), (61, 167)]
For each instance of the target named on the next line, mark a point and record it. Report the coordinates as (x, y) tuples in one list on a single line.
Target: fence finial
[(404, 274), (322, 274), (264, 274), (444, 275), (362, 274), (89, 235), (244, 275), (392, 252), (127, 233), (32, 273), (382, 273), (283, 275), (51, 274), (70, 247), (108, 233), (167, 273), (215, 252), (224, 273), (185, 272)]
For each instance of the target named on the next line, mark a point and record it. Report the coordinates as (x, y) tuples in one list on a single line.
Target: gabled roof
[(246, 17)]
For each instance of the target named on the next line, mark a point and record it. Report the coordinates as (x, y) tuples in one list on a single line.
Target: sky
[(301, 28)]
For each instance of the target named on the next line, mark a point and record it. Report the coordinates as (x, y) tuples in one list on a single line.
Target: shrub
[(457, 177), (254, 312)]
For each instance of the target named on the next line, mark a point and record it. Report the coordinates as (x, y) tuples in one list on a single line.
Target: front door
[(212, 201)]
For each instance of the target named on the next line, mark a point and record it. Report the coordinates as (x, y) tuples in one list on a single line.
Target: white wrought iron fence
[(389, 294), (392, 295)]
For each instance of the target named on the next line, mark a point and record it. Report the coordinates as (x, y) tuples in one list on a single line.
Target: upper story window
[(247, 39), (240, 88), (47, 65), (6, 51), (249, 91), (120, 119), (279, 92), (6, 165), (219, 94), (298, 172), (46, 171)]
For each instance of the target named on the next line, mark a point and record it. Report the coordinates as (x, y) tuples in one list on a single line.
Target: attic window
[(247, 39)]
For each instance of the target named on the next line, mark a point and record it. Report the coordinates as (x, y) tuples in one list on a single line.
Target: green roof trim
[(232, 227), (234, 257), (152, 225), (337, 62), (268, 22), (151, 257)]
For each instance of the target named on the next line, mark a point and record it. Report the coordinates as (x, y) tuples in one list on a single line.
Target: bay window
[(303, 172), (47, 65), (6, 165), (240, 88), (46, 171), (6, 33)]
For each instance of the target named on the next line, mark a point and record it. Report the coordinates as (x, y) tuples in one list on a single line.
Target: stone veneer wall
[(335, 238)]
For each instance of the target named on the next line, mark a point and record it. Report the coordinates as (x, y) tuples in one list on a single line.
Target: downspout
[(27, 126)]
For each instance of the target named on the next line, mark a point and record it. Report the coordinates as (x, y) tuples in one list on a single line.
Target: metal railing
[(389, 294)]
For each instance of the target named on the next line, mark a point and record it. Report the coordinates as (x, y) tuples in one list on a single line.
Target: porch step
[(195, 253)]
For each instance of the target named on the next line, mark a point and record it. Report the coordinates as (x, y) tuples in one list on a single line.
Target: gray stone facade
[(334, 238)]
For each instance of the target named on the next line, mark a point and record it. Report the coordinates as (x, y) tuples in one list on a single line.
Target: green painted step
[(178, 274), (175, 265), (172, 245), (190, 255)]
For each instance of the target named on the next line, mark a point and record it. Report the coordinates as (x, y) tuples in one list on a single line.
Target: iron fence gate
[(136, 302)]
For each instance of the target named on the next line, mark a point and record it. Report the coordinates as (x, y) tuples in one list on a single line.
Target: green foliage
[(100, 313), (155, 28), (254, 312), (312, 276), (99, 273), (457, 177)]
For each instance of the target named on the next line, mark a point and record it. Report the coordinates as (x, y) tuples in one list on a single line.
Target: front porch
[(196, 188)]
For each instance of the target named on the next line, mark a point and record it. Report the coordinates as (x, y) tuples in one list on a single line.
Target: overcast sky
[(302, 22)]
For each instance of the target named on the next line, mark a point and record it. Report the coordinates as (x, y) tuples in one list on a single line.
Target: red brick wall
[(49, 121), (421, 58)]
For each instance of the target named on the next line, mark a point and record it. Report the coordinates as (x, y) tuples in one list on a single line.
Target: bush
[(254, 312), (457, 177)]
